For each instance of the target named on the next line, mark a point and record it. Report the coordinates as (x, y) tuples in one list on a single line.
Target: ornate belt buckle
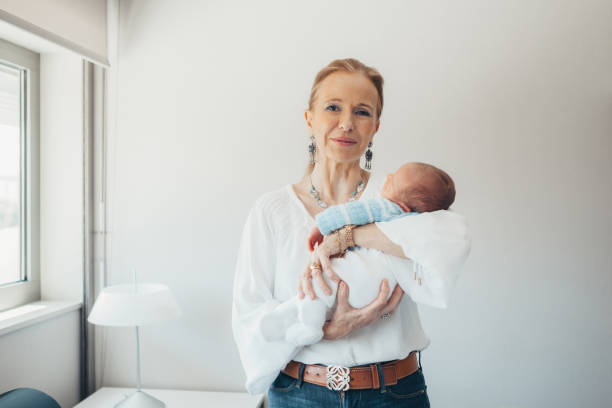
[(338, 378)]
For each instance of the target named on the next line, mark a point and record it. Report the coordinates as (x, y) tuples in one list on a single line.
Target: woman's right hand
[(347, 319)]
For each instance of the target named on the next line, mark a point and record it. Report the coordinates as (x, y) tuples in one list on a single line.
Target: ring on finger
[(385, 316), (315, 266)]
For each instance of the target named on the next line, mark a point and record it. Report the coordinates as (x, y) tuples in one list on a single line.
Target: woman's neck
[(336, 182)]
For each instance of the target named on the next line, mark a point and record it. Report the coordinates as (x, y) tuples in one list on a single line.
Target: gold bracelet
[(345, 238)]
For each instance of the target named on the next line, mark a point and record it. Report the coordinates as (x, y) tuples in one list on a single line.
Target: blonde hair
[(354, 66)]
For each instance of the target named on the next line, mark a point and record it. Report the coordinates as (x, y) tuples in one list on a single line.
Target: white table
[(107, 397)]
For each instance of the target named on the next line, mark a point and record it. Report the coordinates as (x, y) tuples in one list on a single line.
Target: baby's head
[(419, 187)]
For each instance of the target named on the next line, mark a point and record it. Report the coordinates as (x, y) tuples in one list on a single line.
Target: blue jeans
[(288, 392)]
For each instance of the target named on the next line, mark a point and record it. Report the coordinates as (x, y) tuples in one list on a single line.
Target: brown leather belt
[(355, 378)]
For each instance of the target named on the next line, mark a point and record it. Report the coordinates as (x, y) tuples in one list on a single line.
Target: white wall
[(44, 356), (61, 177), (513, 99)]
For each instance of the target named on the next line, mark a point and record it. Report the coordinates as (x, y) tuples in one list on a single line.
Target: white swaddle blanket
[(300, 321)]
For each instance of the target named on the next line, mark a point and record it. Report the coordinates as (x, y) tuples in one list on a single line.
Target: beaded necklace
[(315, 194)]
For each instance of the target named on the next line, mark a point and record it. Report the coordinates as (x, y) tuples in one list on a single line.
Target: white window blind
[(76, 25)]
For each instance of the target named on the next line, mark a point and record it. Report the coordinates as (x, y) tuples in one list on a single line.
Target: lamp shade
[(134, 305)]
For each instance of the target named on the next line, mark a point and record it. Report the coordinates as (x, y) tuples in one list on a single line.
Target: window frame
[(27, 290)]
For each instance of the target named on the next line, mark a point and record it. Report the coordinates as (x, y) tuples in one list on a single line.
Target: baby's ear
[(405, 207)]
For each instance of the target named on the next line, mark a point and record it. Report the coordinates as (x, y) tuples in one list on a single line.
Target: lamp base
[(140, 399)]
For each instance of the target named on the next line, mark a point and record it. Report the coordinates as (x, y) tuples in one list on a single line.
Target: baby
[(414, 188)]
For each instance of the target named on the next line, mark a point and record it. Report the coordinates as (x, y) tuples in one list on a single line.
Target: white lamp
[(135, 305)]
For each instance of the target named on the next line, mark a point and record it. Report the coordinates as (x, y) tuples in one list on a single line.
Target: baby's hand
[(314, 238)]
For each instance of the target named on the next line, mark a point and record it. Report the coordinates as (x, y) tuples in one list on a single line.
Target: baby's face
[(405, 178)]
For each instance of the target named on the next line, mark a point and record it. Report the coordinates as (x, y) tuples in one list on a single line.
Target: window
[(19, 232), (11, 180)]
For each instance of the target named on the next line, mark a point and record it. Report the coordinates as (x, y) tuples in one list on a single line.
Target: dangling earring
[(368, 156), (312, 148)]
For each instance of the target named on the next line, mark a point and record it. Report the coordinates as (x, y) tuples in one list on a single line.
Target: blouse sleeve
[(437, 244), (252, 299)]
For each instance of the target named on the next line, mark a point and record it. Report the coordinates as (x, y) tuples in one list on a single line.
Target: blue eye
[(332, 108), (363, 113)]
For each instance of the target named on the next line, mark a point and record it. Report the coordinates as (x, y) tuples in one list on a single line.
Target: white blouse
[(273, 254)]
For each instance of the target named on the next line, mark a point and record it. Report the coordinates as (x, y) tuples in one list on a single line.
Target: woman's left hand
[(347, 319)]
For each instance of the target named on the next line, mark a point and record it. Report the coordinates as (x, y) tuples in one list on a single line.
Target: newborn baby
[(414, 188)]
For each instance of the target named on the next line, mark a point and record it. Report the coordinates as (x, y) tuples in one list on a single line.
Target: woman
[(368, 355)]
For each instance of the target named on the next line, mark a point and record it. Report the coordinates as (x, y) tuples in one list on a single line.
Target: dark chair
[(27, 398)]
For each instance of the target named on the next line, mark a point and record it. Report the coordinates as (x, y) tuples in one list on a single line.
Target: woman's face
[(343, 116)]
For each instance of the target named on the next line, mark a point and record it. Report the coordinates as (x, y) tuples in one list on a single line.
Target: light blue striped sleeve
[(332, 218), (358, 213)]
